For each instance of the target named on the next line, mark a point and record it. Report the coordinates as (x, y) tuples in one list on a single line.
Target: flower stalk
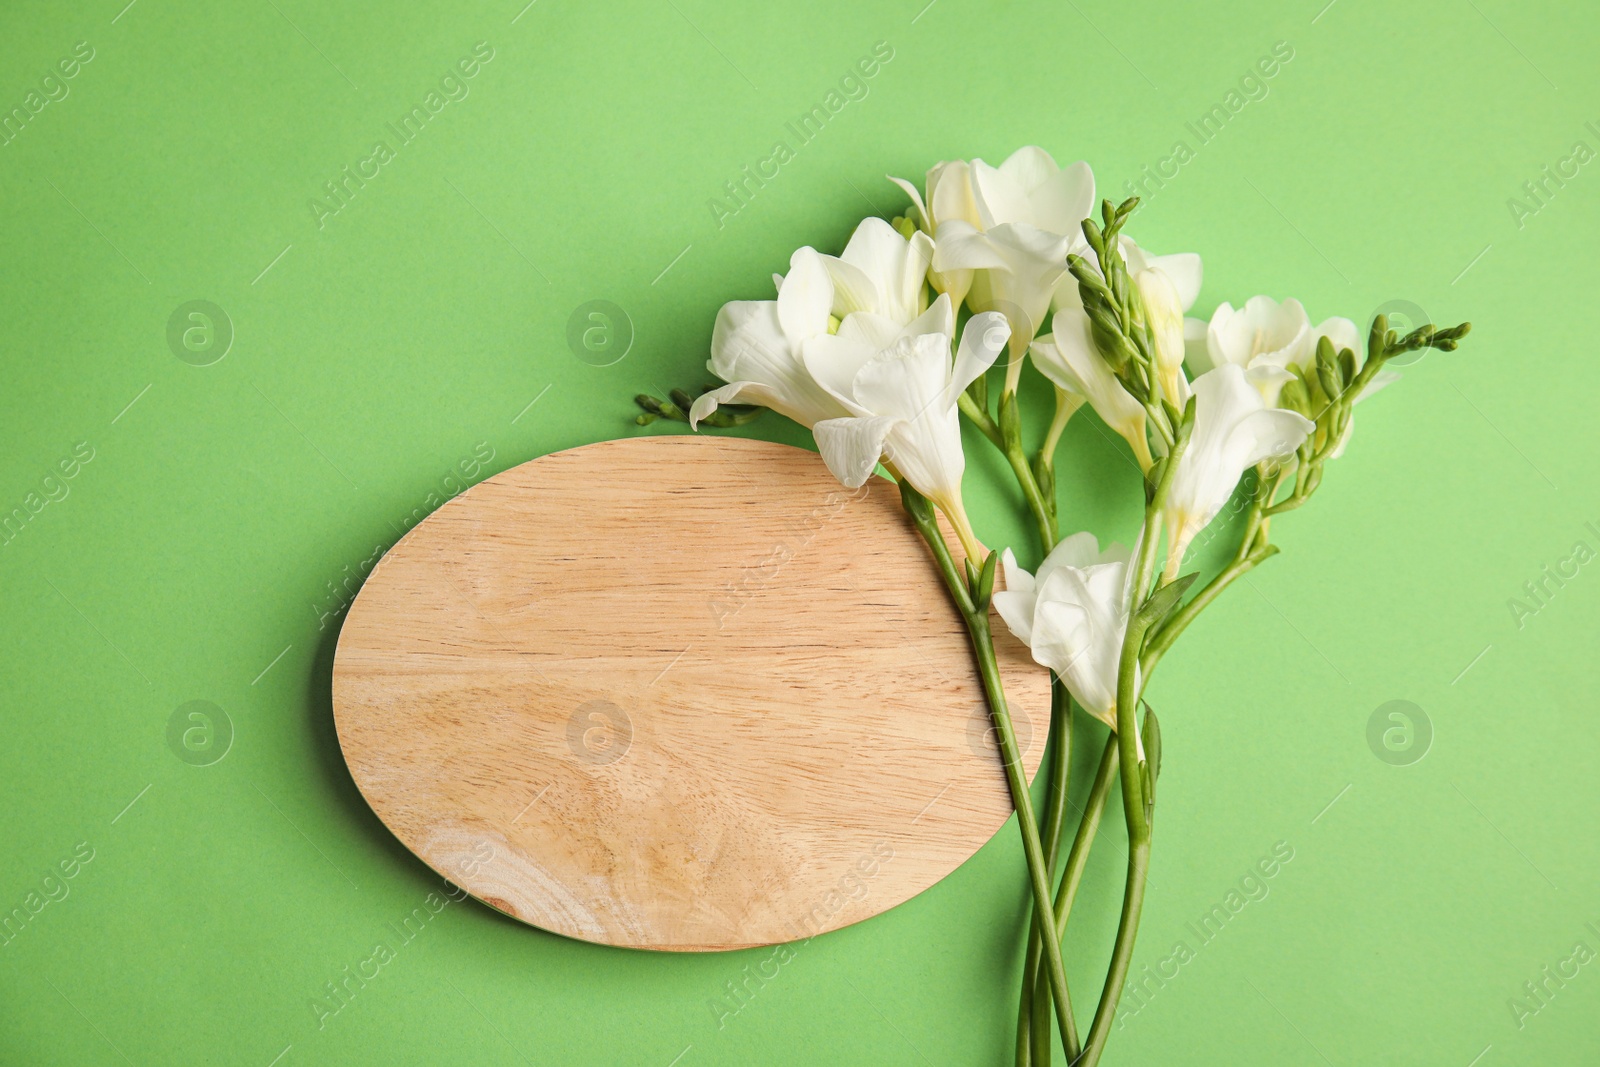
[(972, 600)]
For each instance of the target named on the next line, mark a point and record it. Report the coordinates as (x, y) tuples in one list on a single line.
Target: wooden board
[(679, 693)]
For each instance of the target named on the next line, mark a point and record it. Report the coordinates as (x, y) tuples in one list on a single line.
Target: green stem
[(1078, 857), (1033, 1008), (1065, 407), (980, 418), (1067, 892), (1122, 954), (1043, 514), (976, 616), (1138, 794), (1042, 517)]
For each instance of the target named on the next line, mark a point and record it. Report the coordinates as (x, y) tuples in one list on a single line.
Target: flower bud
[(1163, 311), (1295, 398)]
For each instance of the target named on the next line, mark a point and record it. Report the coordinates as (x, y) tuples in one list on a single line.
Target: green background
[(205, 550)]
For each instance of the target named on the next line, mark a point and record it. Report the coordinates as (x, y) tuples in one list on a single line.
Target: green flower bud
[(1347, 365), (1296, 398)]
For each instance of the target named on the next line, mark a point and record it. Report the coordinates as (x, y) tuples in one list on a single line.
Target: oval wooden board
[(680, 693)]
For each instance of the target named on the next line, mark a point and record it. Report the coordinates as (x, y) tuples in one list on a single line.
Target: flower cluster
[(883, 350)]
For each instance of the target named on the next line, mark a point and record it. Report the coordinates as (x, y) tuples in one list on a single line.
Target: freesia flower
[(1068, 357), (880, 273), (1024, 216), (1276, 343), (1267, 339), (873, 290), (1073, 614), (902, 409), (1234, 429)]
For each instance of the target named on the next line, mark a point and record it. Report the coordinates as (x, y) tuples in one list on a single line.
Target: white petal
[(950, 192), (1016, 578), (854, 289), (748, 346), (1080, 550), (1196, 350), (1000, 197), (833, 361), (939, 318), (962, 246), (916, 199), (1273, 433), (907, 380), (982, 341), (893, 264), (1186, 272), (732, 393), (871, 329), (1030, 167), (1016, 608), (743, 325), (851, 446), (806, 299), (1068, 357), (1234, 429), (1064, 199)]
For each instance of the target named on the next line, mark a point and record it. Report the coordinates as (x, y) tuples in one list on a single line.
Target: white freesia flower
[(880, 273), (902, 409), (874, 290), (1029, 214), (1274, 343), (1073, 614), (1234, 429), (1266, 339), (1068, 357)]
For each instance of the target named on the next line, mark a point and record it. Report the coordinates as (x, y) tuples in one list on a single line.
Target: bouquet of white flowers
[(883, 349)]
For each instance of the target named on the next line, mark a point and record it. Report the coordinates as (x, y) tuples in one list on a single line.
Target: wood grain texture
[(680, 693)]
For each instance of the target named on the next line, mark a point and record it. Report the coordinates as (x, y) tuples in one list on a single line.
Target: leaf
[(985, 586), (1150, 733), (1162, 602)]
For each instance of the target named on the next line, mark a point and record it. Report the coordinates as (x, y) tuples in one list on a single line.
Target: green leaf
[(1010, 419), (984, 590), (916, 504), (1150, 733), (979, 392), (1044, 475), (1162, 602), (1152, 480)]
